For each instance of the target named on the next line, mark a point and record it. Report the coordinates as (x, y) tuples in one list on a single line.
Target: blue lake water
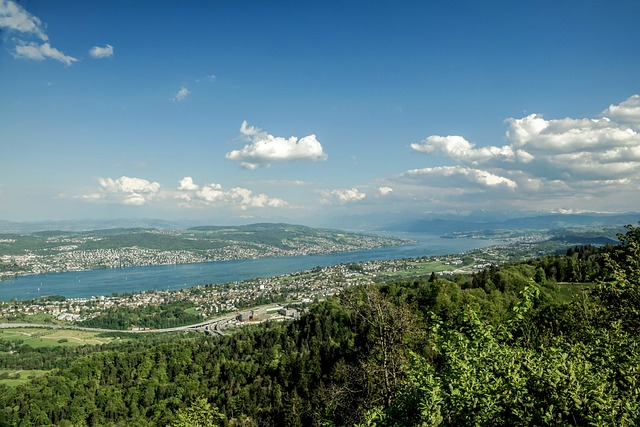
[(85, 284)]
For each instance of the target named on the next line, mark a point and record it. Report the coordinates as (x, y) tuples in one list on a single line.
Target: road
[(211, 327)]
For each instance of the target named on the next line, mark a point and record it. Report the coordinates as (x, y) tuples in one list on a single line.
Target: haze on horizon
[(249, 111)]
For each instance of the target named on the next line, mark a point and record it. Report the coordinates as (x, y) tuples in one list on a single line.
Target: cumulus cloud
[(187, 184), (342, 196), (627, 112), (125, 190), (215, 195), (568, 156), (182, 94), (101, 52), (14, 19), (265, 149)]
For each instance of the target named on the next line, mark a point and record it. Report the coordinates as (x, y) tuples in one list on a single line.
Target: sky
[(243, 111)]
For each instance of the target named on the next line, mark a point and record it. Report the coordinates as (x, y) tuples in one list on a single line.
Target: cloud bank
[(342, 196), (542, 158), (214, 195), (131, 191), (265, 149)]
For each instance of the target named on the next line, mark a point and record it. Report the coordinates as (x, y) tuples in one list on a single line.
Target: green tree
[(619, 292), (199, 414)]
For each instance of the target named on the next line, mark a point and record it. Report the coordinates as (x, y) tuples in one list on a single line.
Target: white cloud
[(187, 184), (265, 149), (457, 176), (460, 149), (543, 156), (15, 18), (42, 51), (101, 52), (539, 136), (384, 191), (627, 112), (573, 160), (342, 196), (182, 94), (214, 195), (137, 192), (126, 190)]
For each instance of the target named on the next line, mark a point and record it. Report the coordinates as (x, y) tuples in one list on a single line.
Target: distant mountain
[(388, 221), (93, 224), (539, 222)]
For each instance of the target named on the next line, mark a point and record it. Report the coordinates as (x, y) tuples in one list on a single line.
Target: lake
[(84, 284)]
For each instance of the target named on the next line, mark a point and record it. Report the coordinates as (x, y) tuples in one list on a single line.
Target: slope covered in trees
[(499, 348)]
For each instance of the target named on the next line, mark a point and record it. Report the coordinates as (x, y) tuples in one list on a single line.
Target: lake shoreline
[(82, 284)]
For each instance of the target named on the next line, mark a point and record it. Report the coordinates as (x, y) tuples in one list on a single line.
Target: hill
[(55, 251)]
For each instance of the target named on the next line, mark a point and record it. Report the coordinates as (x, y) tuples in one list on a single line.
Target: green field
[(421, 268), (36, 318), (15, 377), (567, 291), (43, 337)]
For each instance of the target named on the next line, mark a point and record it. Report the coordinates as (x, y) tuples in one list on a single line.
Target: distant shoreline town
[(55, 252)]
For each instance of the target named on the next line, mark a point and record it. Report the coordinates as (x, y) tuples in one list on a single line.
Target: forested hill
[(55, 251), (507, 346)]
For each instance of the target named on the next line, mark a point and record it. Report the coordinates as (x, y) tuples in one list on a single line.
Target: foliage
[(199, 414), (499, 348), (164, 315)]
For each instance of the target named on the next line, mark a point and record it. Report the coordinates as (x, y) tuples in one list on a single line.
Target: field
[(15, 377), (567, 291), (421, 268), (42, 337)]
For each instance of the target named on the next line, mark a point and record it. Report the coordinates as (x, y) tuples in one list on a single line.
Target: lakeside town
[(61, 251), (76, 251), (297, 289)]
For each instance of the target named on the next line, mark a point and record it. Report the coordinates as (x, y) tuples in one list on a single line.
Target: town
[(296, 290), (51, 252)]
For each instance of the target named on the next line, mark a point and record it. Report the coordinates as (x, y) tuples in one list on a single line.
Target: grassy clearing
[(13, 334), (38, 318), (567, 291), (15, 377), (42, 337), (421, 268)]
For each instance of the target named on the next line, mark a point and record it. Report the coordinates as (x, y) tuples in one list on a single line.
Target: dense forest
[(549, 341)]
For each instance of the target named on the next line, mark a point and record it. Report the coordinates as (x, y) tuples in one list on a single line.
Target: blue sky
[(240, 111)]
